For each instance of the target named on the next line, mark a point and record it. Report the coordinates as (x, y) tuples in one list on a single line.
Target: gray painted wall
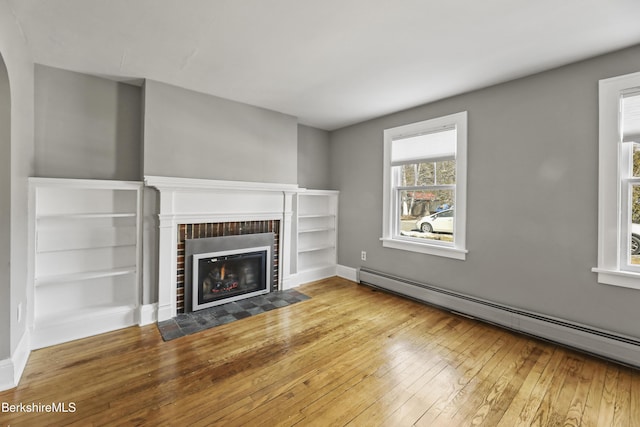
[(19, 66), (194, 135), (532, 196), (313, 158), (5, 211), (86, 127)]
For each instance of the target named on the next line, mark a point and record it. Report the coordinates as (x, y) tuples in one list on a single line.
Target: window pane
[(636, 159), (446, 172), (428, 173), (417, 174), (634, 241), (426, 214)]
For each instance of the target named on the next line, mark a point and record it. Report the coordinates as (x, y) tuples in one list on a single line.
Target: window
[(425, 169), (619, 182)]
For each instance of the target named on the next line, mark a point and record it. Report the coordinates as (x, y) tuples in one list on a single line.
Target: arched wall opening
[(5, 211)]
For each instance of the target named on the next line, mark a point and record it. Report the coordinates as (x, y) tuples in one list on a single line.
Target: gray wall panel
[(313, 158), (86, 127), (194, 135)]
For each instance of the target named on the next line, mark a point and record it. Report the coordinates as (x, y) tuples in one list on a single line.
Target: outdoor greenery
[(428, 175)]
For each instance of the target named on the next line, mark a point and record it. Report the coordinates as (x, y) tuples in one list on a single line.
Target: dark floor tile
[(241, 315), (255, 310), (233, 307), (171, 335), (187, 330), (227, 319), (280, 303), (246, 304)]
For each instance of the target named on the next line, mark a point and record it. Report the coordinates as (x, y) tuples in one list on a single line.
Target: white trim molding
[(348, 273), (11, 369), (147, 314)]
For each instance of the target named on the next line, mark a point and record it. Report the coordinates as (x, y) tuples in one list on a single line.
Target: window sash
[(398, 219)]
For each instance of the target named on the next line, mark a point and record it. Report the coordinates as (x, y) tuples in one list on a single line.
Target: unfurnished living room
[(280, 212)]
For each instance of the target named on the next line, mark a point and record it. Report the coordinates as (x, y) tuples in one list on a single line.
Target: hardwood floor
[(348, 356)]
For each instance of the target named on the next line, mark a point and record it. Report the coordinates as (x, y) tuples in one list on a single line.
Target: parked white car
[(635, 239), (439, 222)]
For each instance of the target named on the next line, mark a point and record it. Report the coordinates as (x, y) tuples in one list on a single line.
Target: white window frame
[(613, 194), (390, 236)]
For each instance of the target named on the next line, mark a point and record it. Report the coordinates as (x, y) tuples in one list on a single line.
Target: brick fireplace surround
[(204, 230), (198, 208)]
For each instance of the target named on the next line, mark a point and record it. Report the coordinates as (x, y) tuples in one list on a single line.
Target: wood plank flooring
[(348, 356)]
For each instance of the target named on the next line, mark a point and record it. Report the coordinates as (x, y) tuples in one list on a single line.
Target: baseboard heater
[(602, 343)]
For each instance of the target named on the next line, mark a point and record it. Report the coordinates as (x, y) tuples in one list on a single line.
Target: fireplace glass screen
[(221, 277)]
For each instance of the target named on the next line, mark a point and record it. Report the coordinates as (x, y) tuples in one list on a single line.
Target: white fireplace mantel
[(186, 200)]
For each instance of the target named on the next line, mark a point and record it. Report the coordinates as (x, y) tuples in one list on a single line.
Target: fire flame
[(222, 272)]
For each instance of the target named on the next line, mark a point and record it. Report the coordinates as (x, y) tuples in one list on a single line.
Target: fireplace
[(228, 268), (200, 209)]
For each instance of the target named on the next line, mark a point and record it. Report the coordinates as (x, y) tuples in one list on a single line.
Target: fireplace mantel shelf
[(165, 183)]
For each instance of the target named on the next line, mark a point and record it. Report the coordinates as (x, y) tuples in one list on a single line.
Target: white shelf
[(87, 216), (317, 248), (317, 230), (86, 238), (316, 237)]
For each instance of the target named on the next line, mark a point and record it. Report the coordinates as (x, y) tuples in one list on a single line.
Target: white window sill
[(626, 279), (424, 248)]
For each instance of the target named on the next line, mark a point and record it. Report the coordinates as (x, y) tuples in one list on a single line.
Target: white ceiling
[(330, 63)]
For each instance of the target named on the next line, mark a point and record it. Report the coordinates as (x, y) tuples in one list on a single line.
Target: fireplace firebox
[(219, 270), (221, 277)]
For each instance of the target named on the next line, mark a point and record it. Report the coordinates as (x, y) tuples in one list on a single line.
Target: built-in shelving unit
[(316, 226), (86, 257)]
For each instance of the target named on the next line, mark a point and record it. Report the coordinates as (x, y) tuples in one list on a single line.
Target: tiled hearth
[(189, 323), (237, 228)]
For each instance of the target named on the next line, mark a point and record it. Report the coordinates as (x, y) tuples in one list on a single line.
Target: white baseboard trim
[(603, 343), (312, 275), (290, 282), (165, 312), (83, 326), (7, 377), (348, 273), (147, 314), (11, 369)]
